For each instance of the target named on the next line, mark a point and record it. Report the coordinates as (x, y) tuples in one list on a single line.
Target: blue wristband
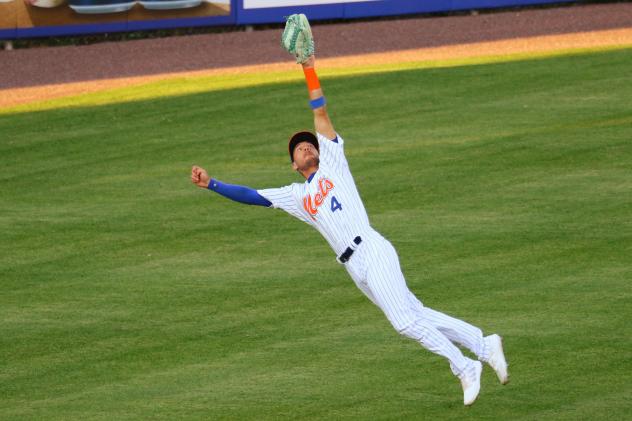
[(317, 103)]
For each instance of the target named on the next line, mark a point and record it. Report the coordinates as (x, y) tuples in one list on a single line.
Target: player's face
[(305, 156)]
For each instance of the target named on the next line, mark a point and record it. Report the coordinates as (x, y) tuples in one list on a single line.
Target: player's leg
[(357, 270), (391, 294), (458, 331), (388, 287), (317, 102), (488, 349)]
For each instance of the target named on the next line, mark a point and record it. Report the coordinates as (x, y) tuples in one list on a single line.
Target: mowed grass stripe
[(128, 293)]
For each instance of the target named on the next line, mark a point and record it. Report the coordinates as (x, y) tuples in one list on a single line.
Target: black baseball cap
[(301, 137)]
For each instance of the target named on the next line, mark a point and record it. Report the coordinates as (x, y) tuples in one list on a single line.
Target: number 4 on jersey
[(335, 204)]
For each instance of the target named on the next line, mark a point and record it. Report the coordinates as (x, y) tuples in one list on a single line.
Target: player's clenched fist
[(199, 176)]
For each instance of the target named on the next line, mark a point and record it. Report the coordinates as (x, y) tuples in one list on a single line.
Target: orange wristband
[(312, 80)]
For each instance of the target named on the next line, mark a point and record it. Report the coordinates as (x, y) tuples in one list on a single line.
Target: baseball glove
[(297, 38)]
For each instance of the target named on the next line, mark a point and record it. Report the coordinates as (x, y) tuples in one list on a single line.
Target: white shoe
[(497, 358), (471, 383)]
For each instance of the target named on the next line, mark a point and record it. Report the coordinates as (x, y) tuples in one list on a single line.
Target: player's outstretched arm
[(297, 39), (241, 194), (322, 123)]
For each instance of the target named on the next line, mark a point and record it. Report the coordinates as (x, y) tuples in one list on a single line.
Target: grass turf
[(128, 293)]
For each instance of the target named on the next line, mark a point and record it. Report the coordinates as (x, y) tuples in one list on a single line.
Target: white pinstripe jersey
[(329, 201)]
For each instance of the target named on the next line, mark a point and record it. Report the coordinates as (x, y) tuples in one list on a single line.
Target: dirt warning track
[(33, 75)]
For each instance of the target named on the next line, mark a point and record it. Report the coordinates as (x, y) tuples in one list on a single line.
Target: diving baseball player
[(329, 201)]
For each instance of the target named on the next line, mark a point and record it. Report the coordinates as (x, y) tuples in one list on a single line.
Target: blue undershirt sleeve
[(241, 194)]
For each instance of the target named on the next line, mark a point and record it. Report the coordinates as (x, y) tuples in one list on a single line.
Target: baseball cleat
[(497, 358), (471, 383)]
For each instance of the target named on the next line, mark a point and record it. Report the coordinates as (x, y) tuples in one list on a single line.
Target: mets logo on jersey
[(311, 204)]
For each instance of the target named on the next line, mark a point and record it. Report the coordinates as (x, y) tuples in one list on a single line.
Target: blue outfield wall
[(8, 33), (241, 16), (343, 11), (402, 7), (182, 23), (374, 9)]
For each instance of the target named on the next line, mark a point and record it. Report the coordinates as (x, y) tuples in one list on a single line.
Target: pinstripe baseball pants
[(375, 269)]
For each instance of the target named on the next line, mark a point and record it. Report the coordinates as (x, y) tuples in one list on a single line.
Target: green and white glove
[(297, 38)]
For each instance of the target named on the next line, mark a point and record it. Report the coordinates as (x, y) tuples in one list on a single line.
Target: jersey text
[(311, 204)]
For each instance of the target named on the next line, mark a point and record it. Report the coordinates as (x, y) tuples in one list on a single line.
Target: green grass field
[(128, 293)]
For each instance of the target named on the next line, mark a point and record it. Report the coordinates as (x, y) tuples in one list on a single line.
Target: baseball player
[(329, 201)]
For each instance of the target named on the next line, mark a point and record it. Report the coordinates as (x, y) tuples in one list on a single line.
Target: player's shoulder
[(322, 139), (298, 189), (288, 189)]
